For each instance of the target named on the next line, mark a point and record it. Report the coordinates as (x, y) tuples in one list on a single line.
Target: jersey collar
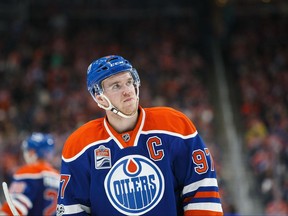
[(129, 138)]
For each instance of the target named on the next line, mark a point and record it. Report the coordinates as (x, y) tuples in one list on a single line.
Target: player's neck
[(121, 124)]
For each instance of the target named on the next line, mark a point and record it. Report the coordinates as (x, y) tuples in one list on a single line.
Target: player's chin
[(130, 109)]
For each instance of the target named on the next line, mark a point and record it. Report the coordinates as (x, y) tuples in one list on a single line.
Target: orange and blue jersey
[(34, 190), (161, 167)]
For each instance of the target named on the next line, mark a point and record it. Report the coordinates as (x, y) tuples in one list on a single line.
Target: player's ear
[(101, 100)]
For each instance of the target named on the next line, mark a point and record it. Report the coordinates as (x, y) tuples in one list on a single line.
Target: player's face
[(29, 156), (121, 92)]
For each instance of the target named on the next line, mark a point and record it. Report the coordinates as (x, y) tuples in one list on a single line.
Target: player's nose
[(126, 90)]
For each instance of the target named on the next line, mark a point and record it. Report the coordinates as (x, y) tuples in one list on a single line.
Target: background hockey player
[(34, 187), (135, 160)]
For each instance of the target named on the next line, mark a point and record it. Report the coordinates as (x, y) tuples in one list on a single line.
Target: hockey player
[(135, 160), (34, 187)]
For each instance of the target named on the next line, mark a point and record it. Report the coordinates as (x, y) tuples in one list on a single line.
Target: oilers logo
[(134, 185)]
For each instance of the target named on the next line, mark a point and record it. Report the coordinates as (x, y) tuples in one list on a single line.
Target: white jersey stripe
[(22, 208), (23, 199), (74, 209), (84, 149), (216, 207), (170, 133), (207, 182), (39, 175), (111, 135)]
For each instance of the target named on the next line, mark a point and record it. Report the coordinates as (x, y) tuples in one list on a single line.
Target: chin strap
[(115, 110), (118, 112)]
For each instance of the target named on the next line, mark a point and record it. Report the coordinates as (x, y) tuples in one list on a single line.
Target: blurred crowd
[(43, 78), (258, 58)]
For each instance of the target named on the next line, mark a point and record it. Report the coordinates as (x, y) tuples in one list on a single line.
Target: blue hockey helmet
[(42, 144), (105, 67)]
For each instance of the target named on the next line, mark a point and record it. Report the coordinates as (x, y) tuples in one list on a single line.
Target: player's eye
[(129, 83), (116, 86)]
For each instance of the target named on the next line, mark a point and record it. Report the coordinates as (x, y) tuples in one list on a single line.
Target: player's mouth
[(128, 99)]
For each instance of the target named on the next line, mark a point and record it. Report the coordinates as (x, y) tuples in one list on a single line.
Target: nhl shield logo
[(134, 185), (126, 137), (102, 157)]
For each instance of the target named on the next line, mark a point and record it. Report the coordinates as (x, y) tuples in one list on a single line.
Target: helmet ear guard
[(109, 107), (135, 77)]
